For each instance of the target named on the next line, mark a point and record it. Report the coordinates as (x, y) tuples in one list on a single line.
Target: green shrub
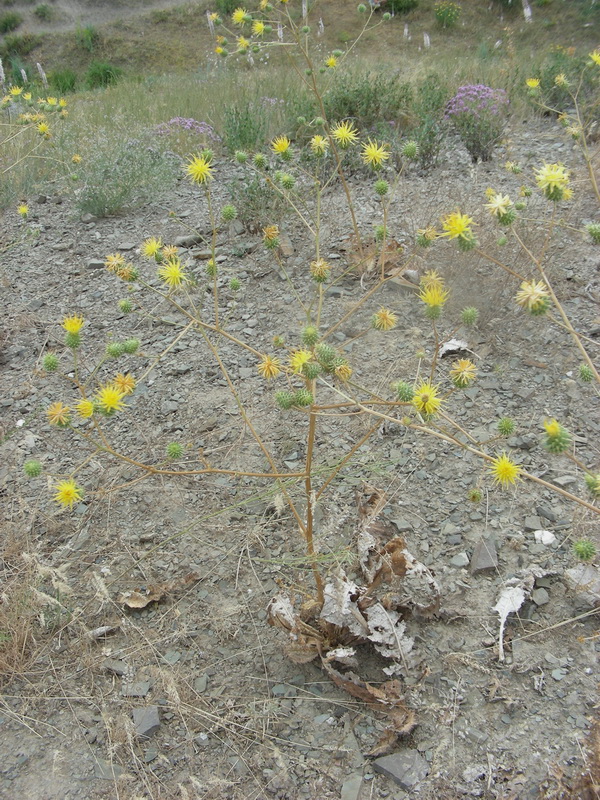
[(226, 7), (10, 21), (429, 128), (88, 38), (401, 6), (447, 12), (121, 173), (244, 127), (15, 45), (561, 62), (367, 98), (44, 12), (257, 204), (63, 80), (101, 74)]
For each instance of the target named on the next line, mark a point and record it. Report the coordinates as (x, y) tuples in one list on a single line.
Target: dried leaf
[(387, 632), (143, 597), (453, 346), (340, 607), (346, 656), (302, 650), (511, 599), (280, 612)]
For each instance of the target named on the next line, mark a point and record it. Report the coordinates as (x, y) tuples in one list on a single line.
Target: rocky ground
[(193, 695)]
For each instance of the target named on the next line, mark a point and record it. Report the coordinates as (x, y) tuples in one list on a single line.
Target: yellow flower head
[(76, 158), (428, 234), (114, 261), (243, 43), (68, 493), (85, 408), (239, 16), (426, 399), (344, 134), (269, 367), (553, 427), (319, 270), (73, 324), (595, 56), (431, 278), (552, 179), (457, 224), (110, 398), (62, 102), (280, 145), (319, 144), (172, 273), (23, 210), (384, 320), (27, 96), (270, 233), (533, 295), (213, 16), (169, 251), (567, 194), (533, 83), (374, 154), (58, 414), (124, 383), (298, 359), (258, 27), (219, 50), (343, 372), (331, 62), (504, 471), (561, 80), (463, 372), (499, 204), (52, 101), (199, 169), (152, 247), (15, 91), (434, 295), (43, 129)]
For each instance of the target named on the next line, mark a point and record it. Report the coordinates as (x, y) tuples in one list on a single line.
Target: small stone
[(201, 683), (188, 241), (584, 580), (484, 556), (126, 246), (146, 721), (106, 770), (540, 597), (460, 560), (87, 218), (532, 523), (95, 263), (544, 537), (41, 199), (285, 245), (137, 689), (565, 480), (115, 666), (547, 513), (406, 768), (558, 674), (351, 787)]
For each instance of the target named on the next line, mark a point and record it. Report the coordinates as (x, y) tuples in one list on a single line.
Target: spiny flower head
[(169, 251), (434, 295), (404, 391), (463, 372), (298, 358), (593, 483), (281, 146), (125, 383), (585, 373), (152, 248), (506, 426), (109, 398), (584, 549), (240, 16), (319, 270), (595, 56), (50, 362), (374, 154), (15, 91), (457, 225), (76, 158), (23, 210), (504, 471), (425, 236), (85, 408), (172, 273), (114, 261), (534, 296), (533, 83), (561, 80), (426, 399), (58, 414), (384, 320), (73, 324), (469, 316), (269, 367), (343, 371), (199, 169), (345, 134), (32, 468), (499, 204), (319, 144), (552, 180), (242, 43), (271, 235), (68, 493), (557, 438), (258, 27)]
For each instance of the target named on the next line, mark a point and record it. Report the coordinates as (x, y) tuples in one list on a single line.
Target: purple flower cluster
[(477, 100), (187, 124), (271, 101)]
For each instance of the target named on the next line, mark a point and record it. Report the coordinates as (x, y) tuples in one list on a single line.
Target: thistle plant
[(447, 13)]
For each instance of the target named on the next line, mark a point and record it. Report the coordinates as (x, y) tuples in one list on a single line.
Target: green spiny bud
[(311, 370), (466, 242), (361, 8), (126, 306), (32, 468), (211, 268), (278, 342), (301, 120), (539, 308), (423, 240), (131, 346), (174, 450), (235, 284), (404, 391), (526, 191), (382, 187), (508, 218), (303, 398), (338, 53), (584, 550), (326, 355), (593, 483), (305, 29), (288, 181), (474, 494), (594, 232), (557, 438), (272, 244), (50, 362), (319, 121), (469, 316), (501, 241), (207, 154), (259, 160), (73, 340), (586, 373), (520, 205), (410, 149), (386, 17), (433, 312), (506, 426), (310, 336), (229, 213), (380, 233), (284, 400), (115, 349), (241, 156)]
